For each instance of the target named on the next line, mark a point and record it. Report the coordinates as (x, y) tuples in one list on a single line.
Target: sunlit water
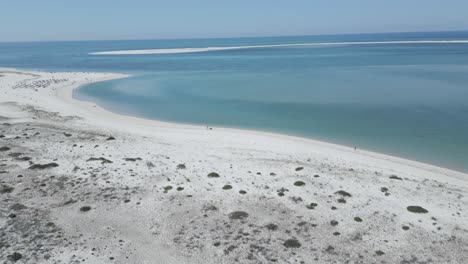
[(403, 99)]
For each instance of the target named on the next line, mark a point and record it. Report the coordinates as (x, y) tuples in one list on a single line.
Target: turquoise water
[(408, 100)]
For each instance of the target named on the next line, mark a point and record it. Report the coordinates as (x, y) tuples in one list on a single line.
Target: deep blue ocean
[(408, 100)]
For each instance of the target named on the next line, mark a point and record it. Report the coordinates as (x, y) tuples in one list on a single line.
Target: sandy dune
[(79, 184)]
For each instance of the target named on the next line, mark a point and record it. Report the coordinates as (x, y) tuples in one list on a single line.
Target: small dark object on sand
[(103, 160), (238, 215), (71, 201), (18, 207), (272, 227), (343, 193), (394, 177), (15, 256), (292, 243), (15, 154), (85, 208), (43, 166), (6, 189), (110, 138), (417, 209), (213, 175), (132, 159), (299, 183), (379, 253), (181, 167), (4, 148), (358, 219), (299, 168)]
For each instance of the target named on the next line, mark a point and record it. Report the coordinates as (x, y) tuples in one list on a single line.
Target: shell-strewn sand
[(79, 184)]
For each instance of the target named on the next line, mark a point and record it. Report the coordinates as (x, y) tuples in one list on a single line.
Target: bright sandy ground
[(272, 198)]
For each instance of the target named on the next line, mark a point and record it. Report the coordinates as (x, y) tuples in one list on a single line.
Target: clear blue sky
[(42, 20)]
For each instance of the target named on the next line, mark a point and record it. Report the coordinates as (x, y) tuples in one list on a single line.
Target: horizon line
[(237, 37)]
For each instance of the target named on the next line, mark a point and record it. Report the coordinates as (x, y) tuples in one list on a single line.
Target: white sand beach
[(80, 184)]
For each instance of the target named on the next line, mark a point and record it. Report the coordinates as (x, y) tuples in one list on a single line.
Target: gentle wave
[(207, 49)]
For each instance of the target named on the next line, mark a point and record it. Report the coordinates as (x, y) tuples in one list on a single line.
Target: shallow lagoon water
[(408, 100)]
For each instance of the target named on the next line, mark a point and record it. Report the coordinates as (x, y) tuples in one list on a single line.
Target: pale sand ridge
[(316, 44)]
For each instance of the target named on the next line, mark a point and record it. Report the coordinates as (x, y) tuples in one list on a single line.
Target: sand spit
[(79, 184), (317, 44)]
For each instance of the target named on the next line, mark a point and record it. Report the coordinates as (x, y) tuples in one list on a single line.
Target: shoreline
[(102, 117), (67, 95), (80, 183)]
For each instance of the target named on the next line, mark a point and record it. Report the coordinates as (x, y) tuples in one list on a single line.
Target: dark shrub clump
[(238, 215), (292, 243), (85, 208), (417, 209), (213, 175), (299, 183)]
